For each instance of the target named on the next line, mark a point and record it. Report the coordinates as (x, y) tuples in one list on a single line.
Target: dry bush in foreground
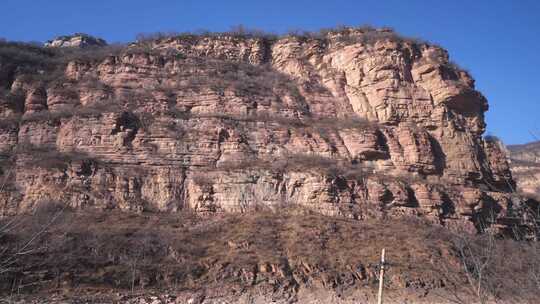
[(12, 253), (494, 269), (130, 251), (283, 249)]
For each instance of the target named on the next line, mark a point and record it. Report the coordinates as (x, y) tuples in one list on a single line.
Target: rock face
[(525, 163), (77, 40), (356, 123)]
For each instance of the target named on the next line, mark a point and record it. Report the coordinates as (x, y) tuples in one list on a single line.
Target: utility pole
[(381, 279)]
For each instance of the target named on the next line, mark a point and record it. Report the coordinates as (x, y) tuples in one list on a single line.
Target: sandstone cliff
[(525, 163), (357, 122)]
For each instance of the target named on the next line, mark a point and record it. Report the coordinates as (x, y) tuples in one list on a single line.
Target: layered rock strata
[(525, 163), (356, 123)]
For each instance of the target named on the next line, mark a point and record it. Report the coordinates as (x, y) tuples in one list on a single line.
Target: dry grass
[(242, 78), (46, 157), (294, 247), (151, 250), (348, 34), (99, 108), (45, 64)]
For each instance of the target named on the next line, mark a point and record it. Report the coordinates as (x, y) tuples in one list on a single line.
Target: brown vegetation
[(96, 109), (181, 250), (42, 64), (238, 31), (344, 34), (257, 250), (495, 268), (47, 157), (243, 78)]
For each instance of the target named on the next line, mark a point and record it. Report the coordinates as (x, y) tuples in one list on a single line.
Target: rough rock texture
[(355, 123), (78, 40), (525, 163)]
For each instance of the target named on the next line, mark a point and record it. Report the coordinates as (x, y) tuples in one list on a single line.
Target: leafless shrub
[(139, 253), (12, 100), (48, 157), (46, 215), (143, 49), (156, 36), (179, 113), (314, 124), (126, 251), (364, 34), (242, 78), (203, 179), (92, 82), (245, 32), (304, 35), (89, 54), (238, 31), (10, 122), (46, 116), (43, 77), (35, 63), (495, 269), (95, 109), (306, 161), (18, 55), (476, 258), (98, 108), (350, 35), (6, 173), (145, 120), (64, 88), (132, 255), (301, 162)]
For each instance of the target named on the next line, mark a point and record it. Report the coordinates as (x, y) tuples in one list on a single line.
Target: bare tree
[(11, 254), (476, 254), (476, 261), (493, 269)]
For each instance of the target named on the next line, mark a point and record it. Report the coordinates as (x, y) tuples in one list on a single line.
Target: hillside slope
[(260, 257)]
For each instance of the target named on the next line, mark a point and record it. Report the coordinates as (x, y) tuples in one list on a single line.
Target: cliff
[(359, 123), (525, 163)]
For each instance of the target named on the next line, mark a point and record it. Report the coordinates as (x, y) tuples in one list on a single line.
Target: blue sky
[(498, 41)]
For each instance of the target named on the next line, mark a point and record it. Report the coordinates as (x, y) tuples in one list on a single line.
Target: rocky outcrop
[(356, 123), (525, 163), (77, 40)]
